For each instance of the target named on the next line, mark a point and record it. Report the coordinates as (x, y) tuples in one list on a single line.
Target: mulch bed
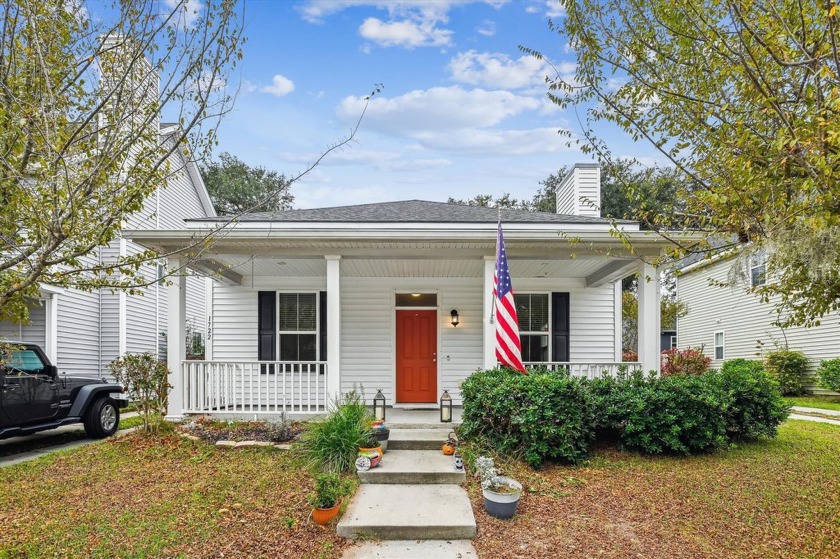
[(212, 431)]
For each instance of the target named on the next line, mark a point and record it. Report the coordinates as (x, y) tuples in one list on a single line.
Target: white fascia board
[(388, 228), (723, 255)]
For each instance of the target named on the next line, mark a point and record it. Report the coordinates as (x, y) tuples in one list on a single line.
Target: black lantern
[(446, 407), (379, 406), (455, 318)]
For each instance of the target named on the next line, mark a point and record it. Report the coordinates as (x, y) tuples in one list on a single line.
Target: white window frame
[(544, 333), (316, 332), (758, 261), (673, 342), (722, 345)]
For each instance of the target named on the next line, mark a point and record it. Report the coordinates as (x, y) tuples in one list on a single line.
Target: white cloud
[(405, 33), (552, 8), (191, 9), (487, 28), (487, 143), (497, 70), (280, 86), (437, 109)]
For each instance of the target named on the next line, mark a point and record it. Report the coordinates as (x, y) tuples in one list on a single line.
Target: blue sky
[(462, 111)]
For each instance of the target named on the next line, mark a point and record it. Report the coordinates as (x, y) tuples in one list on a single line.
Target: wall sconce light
[(455, 318)]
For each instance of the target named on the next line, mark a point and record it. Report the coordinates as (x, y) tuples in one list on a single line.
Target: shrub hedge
[(829, 374), (787, 368), (542, 415), (547, 415)]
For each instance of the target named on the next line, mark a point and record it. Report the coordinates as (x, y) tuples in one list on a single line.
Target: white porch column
[(648, 326), (51, 334), (489, 327), (175, 333), (333, 326)]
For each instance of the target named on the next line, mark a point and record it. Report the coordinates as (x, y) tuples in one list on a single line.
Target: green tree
[(235, 187), (743, 99), (83, 86)]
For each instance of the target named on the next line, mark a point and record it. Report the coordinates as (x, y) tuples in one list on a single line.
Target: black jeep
[(34, 397)]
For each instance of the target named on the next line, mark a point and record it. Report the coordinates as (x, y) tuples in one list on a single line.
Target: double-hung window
[(298, 326), (532, 311), (719, 345), (758, 269)]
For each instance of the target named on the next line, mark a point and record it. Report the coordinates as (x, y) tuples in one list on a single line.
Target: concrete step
[(414, 467), (408, 512), (401, 549), (417, 439)]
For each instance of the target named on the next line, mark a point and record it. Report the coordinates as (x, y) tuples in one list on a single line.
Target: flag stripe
[(508, 346)]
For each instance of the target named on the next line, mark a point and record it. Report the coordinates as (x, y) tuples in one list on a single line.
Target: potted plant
[(381, 434), (326, 500), (501, 493)]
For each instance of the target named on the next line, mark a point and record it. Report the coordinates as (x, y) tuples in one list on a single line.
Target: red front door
[(416, 356)]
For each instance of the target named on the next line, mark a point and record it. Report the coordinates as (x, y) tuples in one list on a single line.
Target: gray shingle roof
[(414, 211)]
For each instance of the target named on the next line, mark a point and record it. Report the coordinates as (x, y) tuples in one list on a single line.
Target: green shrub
[(741, 364), (333, 443), (755, 407), (787, 368), (146, 380), (684, 414), (829, 374), (542, 415)]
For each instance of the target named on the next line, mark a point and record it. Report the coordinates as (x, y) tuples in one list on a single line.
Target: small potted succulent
[(326, 500), (501, 493)]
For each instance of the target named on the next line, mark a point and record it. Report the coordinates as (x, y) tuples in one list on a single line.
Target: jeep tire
[(102, 418)]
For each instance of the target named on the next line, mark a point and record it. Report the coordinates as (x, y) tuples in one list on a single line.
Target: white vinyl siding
[(368, 334), (746, 320), (34, 333), (78, 343)]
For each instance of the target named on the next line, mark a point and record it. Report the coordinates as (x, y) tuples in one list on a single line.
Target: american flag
[(508, 346)]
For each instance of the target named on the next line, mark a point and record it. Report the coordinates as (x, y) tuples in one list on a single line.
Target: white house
[(309, 303), (732, 322), (84, 331)]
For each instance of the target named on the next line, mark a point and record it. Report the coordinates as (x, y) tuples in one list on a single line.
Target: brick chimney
[(580, 191)]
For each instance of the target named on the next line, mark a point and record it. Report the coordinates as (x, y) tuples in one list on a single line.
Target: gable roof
[(414, 211)]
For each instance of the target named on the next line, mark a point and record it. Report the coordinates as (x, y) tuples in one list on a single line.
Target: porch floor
[(407, 418)]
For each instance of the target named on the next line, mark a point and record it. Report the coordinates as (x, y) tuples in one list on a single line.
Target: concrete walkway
[(832, 419), (412, 505), (45, 436)]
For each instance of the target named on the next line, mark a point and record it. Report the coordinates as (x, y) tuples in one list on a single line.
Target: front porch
[(259, 389)]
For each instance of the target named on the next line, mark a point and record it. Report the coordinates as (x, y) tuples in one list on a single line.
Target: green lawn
[(822, 402), (778, 498), (136, 496)]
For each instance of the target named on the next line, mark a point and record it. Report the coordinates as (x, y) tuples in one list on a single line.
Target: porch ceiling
[(408, 267)]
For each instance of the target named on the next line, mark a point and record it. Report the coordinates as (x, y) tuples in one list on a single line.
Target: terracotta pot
[(325, 516)]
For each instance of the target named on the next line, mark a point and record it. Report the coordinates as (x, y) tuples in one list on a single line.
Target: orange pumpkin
[(448, 449)]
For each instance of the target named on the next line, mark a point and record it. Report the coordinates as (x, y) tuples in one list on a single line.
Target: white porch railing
[(254, 387), (589, 370)]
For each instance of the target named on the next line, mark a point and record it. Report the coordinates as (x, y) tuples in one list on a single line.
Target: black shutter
[(267, 328), (322, 325), (559, 326)]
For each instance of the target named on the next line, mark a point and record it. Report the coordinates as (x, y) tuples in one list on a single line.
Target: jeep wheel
[(102, 419)]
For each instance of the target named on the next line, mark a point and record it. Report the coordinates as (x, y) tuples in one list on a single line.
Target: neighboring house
[(731, 322), (84, 331), (667, 339), (308, 304)]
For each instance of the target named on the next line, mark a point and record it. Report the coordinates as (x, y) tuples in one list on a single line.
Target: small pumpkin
[(447, 449)]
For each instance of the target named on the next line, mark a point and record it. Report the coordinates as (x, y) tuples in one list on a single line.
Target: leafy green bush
[(542, 415), (683, 414), (333, 443), (829, 374), (755, 406), (146, 379), (787, 368)]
